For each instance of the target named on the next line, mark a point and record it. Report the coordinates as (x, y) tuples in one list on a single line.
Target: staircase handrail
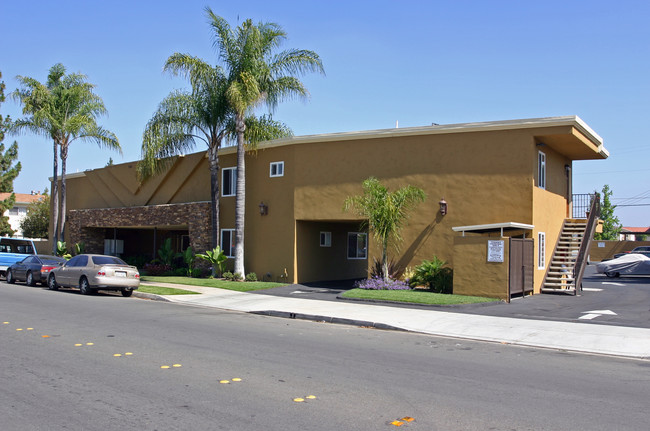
[(592, 220)]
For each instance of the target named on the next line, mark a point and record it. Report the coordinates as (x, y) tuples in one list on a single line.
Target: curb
[(150, 296), (327, 319)]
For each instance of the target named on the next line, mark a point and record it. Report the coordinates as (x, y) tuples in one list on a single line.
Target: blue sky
[(416, 62)]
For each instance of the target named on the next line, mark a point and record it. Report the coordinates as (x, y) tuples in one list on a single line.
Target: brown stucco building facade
[(516, 173)]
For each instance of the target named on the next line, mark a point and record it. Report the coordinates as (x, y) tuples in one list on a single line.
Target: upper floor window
[(228, 181), (541, 170), (277, 169)]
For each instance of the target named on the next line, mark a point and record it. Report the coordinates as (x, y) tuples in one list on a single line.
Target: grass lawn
[(415, 296), (240, 286), (159, 290)]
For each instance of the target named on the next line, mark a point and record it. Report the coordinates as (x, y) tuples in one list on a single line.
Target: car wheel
[(127, 292), (51, 283), (10, 277), (84, 287), (30, 279), (612, 274)]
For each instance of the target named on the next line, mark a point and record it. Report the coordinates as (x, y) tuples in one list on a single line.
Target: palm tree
[(202, 114), (183, 118), (257, 75), (65, 109), (384, 212)]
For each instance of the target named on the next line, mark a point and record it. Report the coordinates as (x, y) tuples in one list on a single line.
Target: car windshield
[(108, 260)]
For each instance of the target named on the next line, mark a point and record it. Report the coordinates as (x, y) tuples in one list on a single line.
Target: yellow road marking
[(224, 382), (236, 379), (128, 354), (164, 366), (19, 329), (177, 365), (117, 355), (397, 423)]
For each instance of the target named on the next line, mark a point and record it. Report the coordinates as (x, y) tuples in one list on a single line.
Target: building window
[(277, 169), (13, 211), (357, 245), (228, 181), (541, 250), (326, 239), (541, 170), (228, 242)]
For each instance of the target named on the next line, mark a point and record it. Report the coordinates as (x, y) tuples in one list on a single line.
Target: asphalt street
[(623, 301), (66, 365)]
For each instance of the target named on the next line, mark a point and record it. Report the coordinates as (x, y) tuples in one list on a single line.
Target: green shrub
[(199, 273), (237, 277), (394, 272), (180, 272), (251, 276), (228, 275), (433, 274)]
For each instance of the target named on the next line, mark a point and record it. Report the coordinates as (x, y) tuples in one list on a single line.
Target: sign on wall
[(495, 251)]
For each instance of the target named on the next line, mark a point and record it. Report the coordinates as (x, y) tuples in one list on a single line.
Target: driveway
[(623, 301)]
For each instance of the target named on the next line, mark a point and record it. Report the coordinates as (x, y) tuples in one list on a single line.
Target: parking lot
[(623, 301)]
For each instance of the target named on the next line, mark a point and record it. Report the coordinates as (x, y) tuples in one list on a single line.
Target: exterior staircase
[(560, 276)]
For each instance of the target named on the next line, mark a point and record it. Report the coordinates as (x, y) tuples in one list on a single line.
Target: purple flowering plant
[(378, 283)]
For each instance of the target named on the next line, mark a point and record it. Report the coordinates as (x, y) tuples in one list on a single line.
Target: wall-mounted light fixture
[(443, 206), (264, 209)]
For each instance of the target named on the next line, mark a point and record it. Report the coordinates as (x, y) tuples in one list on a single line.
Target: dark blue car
[(33, 269)]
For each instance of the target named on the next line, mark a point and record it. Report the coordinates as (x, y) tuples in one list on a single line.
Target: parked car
[(92, 272), (644, 249), (629, 264), (33, 269)]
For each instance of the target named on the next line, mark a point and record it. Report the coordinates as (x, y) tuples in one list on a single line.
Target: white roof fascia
[(493, 226)]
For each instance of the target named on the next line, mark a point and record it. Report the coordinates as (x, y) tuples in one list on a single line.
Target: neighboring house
[(19, 210), (634, 233), (500, 180)]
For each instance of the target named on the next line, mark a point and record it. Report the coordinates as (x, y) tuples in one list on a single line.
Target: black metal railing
[(592, 219), (581, 205)]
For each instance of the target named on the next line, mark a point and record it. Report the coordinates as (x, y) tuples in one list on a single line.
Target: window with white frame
[(541, 170), (541, 250), (277, 169), (357, 245), (228, 181), (228, 242), (326, 239)]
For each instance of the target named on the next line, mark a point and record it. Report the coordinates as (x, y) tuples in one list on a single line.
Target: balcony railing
[(582, 205)]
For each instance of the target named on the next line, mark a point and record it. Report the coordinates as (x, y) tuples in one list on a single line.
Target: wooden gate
[(521, 267)]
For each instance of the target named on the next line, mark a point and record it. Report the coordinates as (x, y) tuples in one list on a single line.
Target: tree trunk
[(64, 158), (213, 160), (240, 199), (384, 259), (55, 201)]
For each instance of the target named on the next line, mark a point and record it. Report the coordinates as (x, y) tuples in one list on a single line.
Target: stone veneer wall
[(86, 224)]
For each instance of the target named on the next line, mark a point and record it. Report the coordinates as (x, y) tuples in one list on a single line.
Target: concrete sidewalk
[(577, 337)]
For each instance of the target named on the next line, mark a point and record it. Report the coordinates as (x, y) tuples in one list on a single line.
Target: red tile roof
[(25, 198), (625, 229)]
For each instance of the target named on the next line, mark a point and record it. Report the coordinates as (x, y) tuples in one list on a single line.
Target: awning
[(493, 227)]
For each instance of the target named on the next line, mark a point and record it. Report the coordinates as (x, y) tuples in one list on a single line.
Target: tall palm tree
[(257, 74), (202, 114), (183, 118), (385, 212), (65, 109)]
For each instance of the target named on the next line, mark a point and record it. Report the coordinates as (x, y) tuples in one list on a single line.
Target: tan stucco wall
[(550, 209), (485, 176), (598, 253), (473, 274)]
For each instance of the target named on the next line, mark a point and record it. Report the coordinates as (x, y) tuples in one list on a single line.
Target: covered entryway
[(330, 250)]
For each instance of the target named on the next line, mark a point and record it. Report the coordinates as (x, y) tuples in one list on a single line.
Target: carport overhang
[(493, 227)]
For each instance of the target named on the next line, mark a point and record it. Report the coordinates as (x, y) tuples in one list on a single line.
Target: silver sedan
[(92, 272)]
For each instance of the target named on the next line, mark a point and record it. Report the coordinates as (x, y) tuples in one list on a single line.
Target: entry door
[(521, 266)]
